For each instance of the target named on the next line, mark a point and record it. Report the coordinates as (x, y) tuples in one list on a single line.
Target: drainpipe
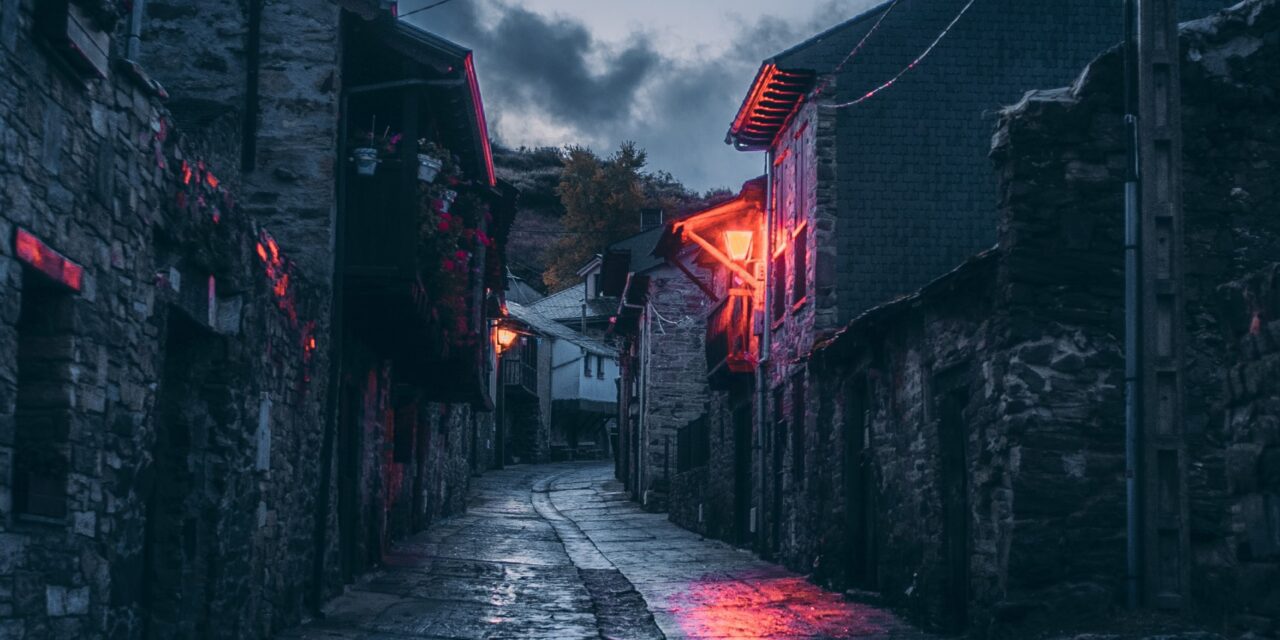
[(1132, 338), (766, 343), (134, 48)]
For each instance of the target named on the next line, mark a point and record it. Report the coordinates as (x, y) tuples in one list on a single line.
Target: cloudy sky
[(668, 74)]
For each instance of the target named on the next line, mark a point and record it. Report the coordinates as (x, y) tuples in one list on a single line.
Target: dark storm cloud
[(554, 70), (547, 63)]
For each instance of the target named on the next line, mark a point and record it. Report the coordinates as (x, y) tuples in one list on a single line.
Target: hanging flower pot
[(428, 167), (447, 199), (366, 159)]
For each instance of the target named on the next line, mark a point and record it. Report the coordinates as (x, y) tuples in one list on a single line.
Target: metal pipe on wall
[(134, 48), (1132, 314), (766, 343)]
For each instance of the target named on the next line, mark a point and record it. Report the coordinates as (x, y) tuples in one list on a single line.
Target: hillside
[(536, 173)]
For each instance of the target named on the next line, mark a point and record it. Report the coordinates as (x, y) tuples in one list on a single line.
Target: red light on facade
[(282, 286), (44, 259), (186, 172), (474, 85), (311, 344), (738, 244), (211, 180), (262, 252), (275, 249)]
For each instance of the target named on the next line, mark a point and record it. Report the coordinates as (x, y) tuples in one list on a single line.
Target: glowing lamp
[(505, 338), (738, 243)]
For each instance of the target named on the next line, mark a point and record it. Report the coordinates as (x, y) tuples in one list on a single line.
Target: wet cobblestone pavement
[(557, 551)]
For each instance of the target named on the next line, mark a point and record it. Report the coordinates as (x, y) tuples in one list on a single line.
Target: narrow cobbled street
[(557, 551)]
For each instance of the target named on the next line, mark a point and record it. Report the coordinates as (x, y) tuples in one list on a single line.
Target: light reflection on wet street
[(557, 551)]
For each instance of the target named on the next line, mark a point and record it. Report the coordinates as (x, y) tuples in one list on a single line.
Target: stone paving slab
[(706, 589), (559, 552)]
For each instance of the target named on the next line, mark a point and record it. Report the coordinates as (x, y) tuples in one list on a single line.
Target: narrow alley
[(559, 551)]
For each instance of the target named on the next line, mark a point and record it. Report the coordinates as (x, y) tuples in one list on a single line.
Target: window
[(800, 251), (78, 37), (693, 445), (586, 365), (779, 286), (43, 409), (404, 421), (797, 426), (595, 285), (600, 367)]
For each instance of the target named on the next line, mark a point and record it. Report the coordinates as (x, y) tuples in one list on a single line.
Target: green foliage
[(602, 199)]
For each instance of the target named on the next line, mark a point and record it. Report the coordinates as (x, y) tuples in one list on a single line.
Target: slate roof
[(566, 305), (916, 194), (546, 326), (520, 292), (641, 247)]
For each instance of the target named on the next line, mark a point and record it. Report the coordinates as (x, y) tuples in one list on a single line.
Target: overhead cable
[(914, 63), (858, 47), (421, 9)]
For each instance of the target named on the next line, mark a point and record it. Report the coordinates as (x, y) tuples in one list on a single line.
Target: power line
[(421, 9), (909, 67), (858, 47)]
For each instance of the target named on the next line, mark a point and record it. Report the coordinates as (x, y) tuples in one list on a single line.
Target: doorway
[(742, 481), (859, 490), (954, 490), (180, 539)]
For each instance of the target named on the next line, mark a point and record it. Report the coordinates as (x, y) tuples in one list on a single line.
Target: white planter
[(428, 167), (366, 159), (448, 198)]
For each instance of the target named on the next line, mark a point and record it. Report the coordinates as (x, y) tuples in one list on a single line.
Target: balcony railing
[(730, 343), (520, 366)]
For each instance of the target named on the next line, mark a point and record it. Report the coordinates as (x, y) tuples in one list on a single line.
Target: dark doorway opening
[(42, 411), (349, 443), (954, 479), (742, 481), (180, 544), (859, 490), (779, 448)]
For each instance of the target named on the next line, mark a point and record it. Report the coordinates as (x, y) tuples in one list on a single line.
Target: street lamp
[(738, 244), (505, 338)]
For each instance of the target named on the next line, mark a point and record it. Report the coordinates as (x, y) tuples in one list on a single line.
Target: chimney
[(650, 219)]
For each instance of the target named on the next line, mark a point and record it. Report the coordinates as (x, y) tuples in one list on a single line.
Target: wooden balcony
[(730, 341), (520, 366)]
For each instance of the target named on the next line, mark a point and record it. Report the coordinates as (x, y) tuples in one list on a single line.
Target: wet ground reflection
[(772, 607)]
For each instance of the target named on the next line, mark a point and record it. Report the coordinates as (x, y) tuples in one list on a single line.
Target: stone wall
[(676, 384), (162, 449), (178, 400), (963, 450)]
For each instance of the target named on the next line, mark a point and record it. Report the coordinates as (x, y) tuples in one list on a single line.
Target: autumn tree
[(602, 199)]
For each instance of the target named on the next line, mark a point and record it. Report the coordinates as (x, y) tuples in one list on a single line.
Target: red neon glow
[(474, 85), (262, 252), (763, 79), (766, 606), (44, 259), (211, 180), (186, 172), (738, 244)]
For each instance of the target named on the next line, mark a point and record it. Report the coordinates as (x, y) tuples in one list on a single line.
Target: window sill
[(777, 324), (798, 305), (139, 76), (32, 521)]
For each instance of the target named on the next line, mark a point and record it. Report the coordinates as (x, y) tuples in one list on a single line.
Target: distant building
[(559, 390)]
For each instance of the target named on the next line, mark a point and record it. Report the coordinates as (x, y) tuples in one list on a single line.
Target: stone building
[(660, 316), (959, 449), (170, 319)]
